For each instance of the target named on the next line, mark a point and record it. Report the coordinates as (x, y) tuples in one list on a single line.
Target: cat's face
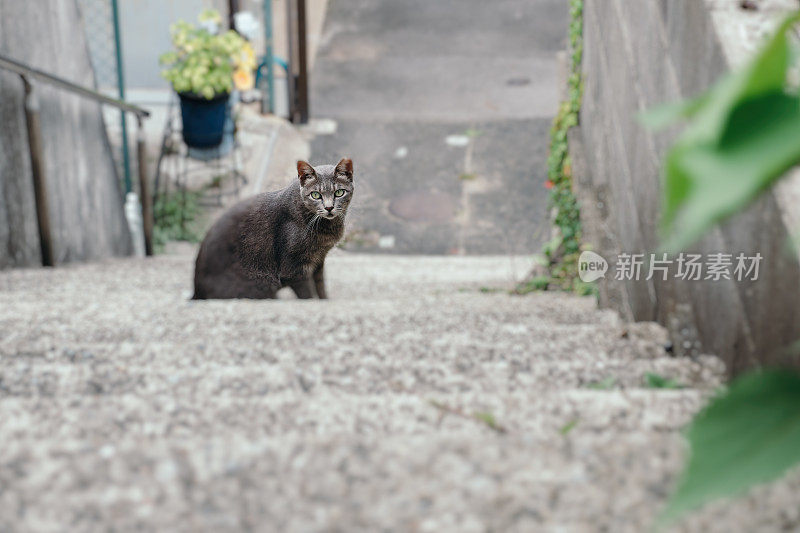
[(326, 189)]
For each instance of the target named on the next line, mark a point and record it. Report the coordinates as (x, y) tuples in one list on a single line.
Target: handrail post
[(302, 63), (126, 163), (144, 186), (268, 96), (291, 78), (37, 171)]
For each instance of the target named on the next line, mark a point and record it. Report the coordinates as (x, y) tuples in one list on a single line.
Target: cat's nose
[(329, 209)]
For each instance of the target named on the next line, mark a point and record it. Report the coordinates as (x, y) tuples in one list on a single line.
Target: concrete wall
[(84, 193), (638, 54)]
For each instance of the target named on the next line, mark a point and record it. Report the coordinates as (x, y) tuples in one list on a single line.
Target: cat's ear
[(345, 167), (304, 172)]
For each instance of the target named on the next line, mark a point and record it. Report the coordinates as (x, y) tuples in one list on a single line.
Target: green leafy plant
[(559, 167), (657, 381), (569, 426), (489, 290), (483, 417), (175, 216), (742, 135), (560, 269), (555, 270), (604, 384), (489, 420), (748, 434), (205, 63)]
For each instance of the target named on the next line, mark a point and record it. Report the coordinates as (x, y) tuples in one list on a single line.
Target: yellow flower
[(243, 79), (246, 58), (249, 56)]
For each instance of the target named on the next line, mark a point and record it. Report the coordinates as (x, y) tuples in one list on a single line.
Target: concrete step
[(200, 410), (169, 369), (422, 397), (337, 481)]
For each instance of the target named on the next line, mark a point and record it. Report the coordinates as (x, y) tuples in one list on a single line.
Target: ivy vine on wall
[(559, 268)]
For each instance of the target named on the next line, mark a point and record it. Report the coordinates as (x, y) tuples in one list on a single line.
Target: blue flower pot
[(203, 120)]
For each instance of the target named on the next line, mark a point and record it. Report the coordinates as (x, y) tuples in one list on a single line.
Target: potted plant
[(204, 68)]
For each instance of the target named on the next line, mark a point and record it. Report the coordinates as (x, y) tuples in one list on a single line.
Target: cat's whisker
[(311, 227), (314, 225)]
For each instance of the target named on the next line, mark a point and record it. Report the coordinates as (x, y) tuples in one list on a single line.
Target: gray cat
[(277, 239)]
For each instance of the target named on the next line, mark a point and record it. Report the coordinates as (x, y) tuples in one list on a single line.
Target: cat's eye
[(339, 192), (315, 195)]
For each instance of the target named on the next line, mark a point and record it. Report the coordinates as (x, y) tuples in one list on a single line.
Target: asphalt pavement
[(445, 108)]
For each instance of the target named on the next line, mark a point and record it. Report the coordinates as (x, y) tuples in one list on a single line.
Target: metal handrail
[(35, 146), (32, 73)]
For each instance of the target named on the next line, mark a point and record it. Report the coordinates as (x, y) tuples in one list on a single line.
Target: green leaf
[(605, 384), (657, 381), (569, 426), (765, 73), (731, 124), (748, 435), (706, 183)]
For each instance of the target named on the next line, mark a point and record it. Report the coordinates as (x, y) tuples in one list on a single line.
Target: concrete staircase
[(421, 397)]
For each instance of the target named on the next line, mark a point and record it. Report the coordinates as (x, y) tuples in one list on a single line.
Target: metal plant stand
[(214, 174)]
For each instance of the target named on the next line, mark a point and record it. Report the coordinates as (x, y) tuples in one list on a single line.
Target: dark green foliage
[(176, 214), (747, 435), (742, 136), (657, 381)]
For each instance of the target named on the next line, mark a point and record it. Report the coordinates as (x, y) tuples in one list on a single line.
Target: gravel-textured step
[(371, 373), (422, 397)]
